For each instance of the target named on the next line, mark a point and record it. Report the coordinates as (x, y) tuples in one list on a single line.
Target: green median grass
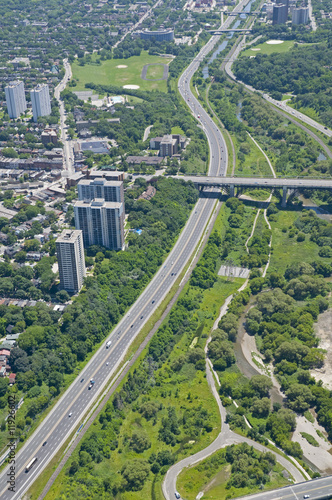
[(108, 72)]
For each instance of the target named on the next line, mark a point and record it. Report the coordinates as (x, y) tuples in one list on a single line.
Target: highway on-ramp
[(67, 414)]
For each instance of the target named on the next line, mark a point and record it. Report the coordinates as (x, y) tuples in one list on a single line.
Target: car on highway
[(70, 414), (153, 302), (82, 380), (44, 443), (90, 387), (177, 494), (306, 496)]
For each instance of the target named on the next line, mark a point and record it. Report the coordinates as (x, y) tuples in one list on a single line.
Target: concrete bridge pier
[(284, 197), (232, 190)]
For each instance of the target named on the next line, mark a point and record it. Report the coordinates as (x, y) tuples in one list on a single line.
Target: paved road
[(58, 425), (266, 182), (68, 156), (147, 132)]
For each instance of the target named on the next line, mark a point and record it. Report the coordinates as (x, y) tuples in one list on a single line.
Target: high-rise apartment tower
[(15, 99), (40, 100), (70, 253), (102, 223)]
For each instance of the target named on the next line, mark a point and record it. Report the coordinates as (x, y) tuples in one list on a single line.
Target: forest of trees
[(304, 71)]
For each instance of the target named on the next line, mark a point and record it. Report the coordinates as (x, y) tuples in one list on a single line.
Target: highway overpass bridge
[(263, 182), (230, 30), (254, 13)]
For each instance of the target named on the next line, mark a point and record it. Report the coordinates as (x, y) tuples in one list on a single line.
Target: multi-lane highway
[(67, 414), (70, 409), (317, 489)]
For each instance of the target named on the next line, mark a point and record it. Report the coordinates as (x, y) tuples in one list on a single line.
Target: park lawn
[(254, 163), (132, 99), (155, 71), (259, 194), (266, 48), (213, 298), (107, 72), (286, 250)]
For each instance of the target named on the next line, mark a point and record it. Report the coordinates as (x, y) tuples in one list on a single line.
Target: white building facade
[(40, 100), (15, 99)]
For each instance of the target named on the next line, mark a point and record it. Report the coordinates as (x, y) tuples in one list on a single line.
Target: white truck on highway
[(108, 344)]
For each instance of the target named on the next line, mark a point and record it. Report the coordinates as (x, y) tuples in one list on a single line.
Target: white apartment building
[(70, 254), (40, 100), (15, 99), (102, 223)]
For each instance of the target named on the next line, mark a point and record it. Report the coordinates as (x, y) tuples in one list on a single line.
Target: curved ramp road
[(225, 438), (58, 425)]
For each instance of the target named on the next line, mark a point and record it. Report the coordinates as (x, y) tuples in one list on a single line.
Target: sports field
[(120, 72), (269, 48)]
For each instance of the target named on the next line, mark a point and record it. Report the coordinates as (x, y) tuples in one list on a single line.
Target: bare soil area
[(323, 329)]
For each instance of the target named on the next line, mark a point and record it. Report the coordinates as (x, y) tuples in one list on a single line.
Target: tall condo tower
[(70, 253), (15, 99), (41, 102), (102, 222)]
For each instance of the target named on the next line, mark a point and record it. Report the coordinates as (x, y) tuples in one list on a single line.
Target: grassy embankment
[(211, 476)]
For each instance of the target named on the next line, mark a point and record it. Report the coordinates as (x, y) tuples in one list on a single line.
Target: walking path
[(147, 132)]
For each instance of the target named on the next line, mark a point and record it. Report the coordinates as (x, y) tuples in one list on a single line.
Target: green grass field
[(155, 71), (254, 163), (267, 48), (286, 250), (109, 74)]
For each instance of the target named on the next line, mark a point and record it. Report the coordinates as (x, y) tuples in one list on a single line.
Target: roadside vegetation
[(289, 148), (280, 315), (232, 472), (304, 71)]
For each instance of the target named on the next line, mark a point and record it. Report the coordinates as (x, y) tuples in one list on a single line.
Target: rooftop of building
[(14, 84), (68, 236), (98, 202), (99, 181), (39, 87)]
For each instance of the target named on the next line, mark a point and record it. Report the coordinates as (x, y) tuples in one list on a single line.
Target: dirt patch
[(121, 66), (323, 330), (318, 456)]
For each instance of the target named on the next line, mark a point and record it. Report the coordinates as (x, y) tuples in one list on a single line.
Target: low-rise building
[(148, 160)]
